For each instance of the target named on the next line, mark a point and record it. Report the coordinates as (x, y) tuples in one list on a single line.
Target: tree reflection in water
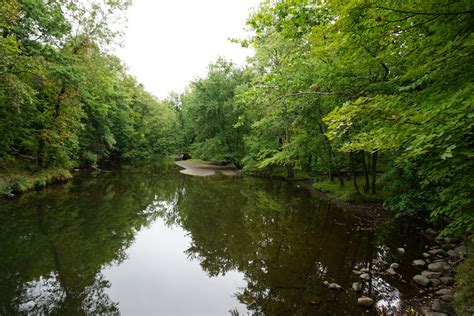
[(56, 242)]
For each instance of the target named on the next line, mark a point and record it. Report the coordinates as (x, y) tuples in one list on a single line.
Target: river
[(148, 240)]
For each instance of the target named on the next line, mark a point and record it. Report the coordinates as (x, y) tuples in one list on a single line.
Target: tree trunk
[(332, 157), (290, 171), (351, 166), (40, 152), (366, 172), (374, 156)]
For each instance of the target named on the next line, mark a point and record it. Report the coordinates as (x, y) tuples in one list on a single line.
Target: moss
[(465, 284)]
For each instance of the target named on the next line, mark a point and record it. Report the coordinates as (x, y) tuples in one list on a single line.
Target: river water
[(148, 240)]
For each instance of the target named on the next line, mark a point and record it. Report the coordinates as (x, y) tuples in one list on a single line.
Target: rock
[(440, 306), (391, 271), (447, 298), (438, 252), (334, 286), (364, 270), (431, 274), (357, 272), (357, 286), (428, 312), (426, 255), (365, 301), (365, 276), (448, 246), (401, 250), (439, 266), (421, 280), (394, 265), (76, 170), (452, 240), (435, 282), (419, 263), (431, 231), (453, 253), (325, 282), (439, 239), (445, 292), (447, 280), (461, 250)]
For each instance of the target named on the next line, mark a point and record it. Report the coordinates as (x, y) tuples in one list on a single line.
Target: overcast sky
[(170, 42)]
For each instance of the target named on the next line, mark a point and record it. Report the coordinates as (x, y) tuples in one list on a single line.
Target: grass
[(348, 193), (464, 300), (19, 180)]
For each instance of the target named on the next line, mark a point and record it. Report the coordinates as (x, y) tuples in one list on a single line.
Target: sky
[(169, 43)]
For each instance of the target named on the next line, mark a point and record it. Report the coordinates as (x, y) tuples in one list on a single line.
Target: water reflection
[(61, 247)]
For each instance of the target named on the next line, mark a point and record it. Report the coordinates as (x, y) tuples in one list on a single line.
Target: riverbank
[(201, 168), (14, 180)]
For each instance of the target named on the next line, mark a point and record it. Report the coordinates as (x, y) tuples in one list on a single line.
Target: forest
[(371, 100)]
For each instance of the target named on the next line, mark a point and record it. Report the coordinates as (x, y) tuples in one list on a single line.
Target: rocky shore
[(438, 270)]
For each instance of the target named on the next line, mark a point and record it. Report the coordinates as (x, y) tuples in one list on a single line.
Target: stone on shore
[(365, 276), (357, 286), (431, 274), (419, 263), (365, 301), (439, 266), (445, 292), (334, 286), (421, 280)]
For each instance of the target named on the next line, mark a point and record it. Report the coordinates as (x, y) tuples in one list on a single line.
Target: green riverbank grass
[(347, 192), (464, 299), (18, 180)]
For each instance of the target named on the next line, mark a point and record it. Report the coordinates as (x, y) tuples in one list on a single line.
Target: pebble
[(435, 282), (394, 265), (440, 306), (431, 274), (334, 286), (461, 250), (401, 250), (357, 286), (447, 298), (453, 253), (452, 240), (447, 280), (365, 276), (365, 301), (419, 263), (426, 255), (391, 271), (445, 292), (428, 312), (437, 252), (439, 266), (421, 280)]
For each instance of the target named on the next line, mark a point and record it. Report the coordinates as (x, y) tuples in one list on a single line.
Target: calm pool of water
[(148, 240)]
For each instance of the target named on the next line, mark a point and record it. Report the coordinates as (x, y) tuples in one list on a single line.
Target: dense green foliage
[(355, 90), (213, 116), (65, 101)]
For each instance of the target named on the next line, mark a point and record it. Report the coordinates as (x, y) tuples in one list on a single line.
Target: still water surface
[(148, 240)]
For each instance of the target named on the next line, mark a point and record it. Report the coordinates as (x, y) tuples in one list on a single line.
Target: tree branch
[(424, 13)]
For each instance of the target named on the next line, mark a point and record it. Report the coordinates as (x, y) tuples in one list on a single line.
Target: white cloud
[(169, 43)]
